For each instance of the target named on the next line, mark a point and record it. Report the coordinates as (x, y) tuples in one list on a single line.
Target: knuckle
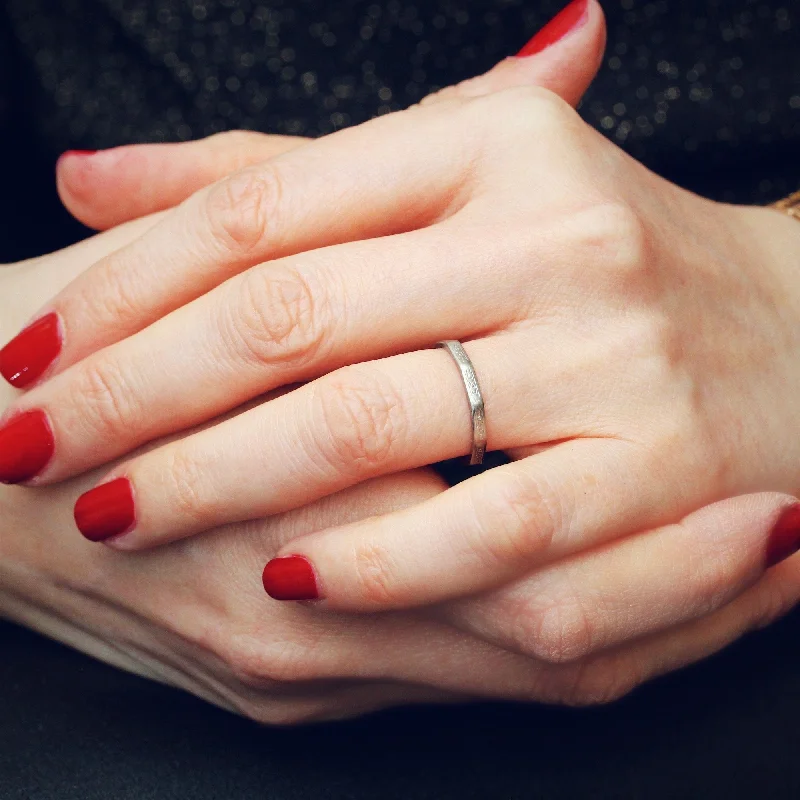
[(364, 419), (279, 317), (517, 518), (106, 398), (244, 210), (373, 574), (187, 488), (261, 665), (112, 296), (616, 239), (556, 630)]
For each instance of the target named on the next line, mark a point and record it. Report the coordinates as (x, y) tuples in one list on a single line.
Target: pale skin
[(618, 608), (193, 615)]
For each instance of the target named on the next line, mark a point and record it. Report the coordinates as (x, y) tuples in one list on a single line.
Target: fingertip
[(784, 538), (564, 57), (83, 185), (291, 578), (107, 512)]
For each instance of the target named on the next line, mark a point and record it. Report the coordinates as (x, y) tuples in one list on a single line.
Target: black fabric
[(74, 729), (707, 93)]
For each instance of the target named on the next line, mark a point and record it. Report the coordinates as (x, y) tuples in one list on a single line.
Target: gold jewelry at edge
[(789, 205)]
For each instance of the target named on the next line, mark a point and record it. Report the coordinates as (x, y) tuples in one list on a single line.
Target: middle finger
[(278, 324), (353, 424)]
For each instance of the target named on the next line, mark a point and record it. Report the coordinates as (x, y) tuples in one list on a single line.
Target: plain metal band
[(474, 396)]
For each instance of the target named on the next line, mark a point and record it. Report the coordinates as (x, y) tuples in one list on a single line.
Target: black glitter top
[(706, 92)]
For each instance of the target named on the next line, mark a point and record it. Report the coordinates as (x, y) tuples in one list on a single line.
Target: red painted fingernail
[(106, 511), (290, 578), (26, 445), (28, 355), (79, 153), (574, 16), (784, 541)]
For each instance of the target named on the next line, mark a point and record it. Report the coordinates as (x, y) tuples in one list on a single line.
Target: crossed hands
[(258, 354)]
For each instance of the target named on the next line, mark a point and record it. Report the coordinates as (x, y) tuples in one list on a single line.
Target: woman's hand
[(586, 605), (194, 616), (201, 624), (704, 589), (547, 67), (109, 187)]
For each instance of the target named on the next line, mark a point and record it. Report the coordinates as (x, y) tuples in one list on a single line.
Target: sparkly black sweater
[(706, 93)]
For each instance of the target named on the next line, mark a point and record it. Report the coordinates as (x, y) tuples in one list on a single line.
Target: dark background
[(74, 729), (706, 93)]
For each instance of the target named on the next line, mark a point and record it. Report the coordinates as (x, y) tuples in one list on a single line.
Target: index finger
[(480, 534), (391, 175), (365, 182)]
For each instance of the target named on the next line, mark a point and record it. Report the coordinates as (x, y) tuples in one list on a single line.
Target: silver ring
[(476, 404)]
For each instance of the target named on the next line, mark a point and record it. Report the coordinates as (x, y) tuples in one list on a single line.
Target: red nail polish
[(574, 16), (28, 355), (784, 541), (106, 511), (290, 578), (26, 446)]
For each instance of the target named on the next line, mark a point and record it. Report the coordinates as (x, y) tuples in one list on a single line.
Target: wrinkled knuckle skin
[(554, 630), (364, 419), (280, 318), (111, 299), (373, 575), (188, 491), (106, 400), (517, 520), (244, 210)]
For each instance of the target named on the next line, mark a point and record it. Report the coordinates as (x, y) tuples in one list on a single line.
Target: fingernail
[(784, 541), (106, 511), (26, 446), (28, 355), (290, 578), (76, 154), (574, 16)]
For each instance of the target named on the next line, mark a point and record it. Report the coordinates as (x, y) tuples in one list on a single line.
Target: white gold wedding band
[(475, 397)]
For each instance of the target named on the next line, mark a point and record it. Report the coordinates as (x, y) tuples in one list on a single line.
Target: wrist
[(774, 238)]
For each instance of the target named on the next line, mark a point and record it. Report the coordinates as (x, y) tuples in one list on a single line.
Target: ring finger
[(278, 324), (361, 421)]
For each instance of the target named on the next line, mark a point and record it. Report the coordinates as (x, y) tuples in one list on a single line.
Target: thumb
[(113, 186), (106, 188), (563, 57)]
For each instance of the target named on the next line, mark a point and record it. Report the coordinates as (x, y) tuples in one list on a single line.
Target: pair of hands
[(584, 333)]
